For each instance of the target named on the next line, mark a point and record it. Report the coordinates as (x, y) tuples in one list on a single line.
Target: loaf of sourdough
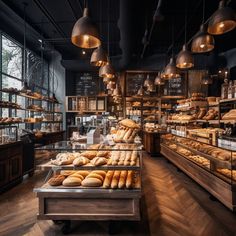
[(80, 161), (72, 181), (91, 182), (99, 161), (56, 180)]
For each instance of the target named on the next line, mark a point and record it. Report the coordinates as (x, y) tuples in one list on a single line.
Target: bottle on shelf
[(230, 90), (224, 89)]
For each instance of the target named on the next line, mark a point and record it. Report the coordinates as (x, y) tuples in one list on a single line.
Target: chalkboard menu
[(135, 80), (175, 87)]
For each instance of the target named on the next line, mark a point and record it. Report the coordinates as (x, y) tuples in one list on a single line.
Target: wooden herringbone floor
[(172, 205)]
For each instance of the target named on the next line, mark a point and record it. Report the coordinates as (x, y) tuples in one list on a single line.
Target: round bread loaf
[(91, 182), (71, 181), (56, 180), (100, 172), (94, 175), (84, 173), (67, 172), (77, 175)]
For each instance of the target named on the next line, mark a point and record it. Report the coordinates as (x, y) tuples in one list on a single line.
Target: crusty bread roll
[(115, 179), (122, 179), (80, 161), (103, 154), (89, 154), (71, 181), (56, 180), (94, 175), (84, 173), (129, 123), (67, 172), (100, 172), (134, 156), (91, 182), (129, 179), (108, 179), (99, 161), (77, 175), (128, 134)]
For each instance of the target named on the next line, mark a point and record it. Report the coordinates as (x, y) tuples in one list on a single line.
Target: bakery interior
[(117, 117)]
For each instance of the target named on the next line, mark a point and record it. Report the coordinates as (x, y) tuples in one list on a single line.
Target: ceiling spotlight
[(184, 59), (85, 33), (222, 21)]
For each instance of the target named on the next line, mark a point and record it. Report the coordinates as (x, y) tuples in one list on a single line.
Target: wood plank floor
[(172, 205)]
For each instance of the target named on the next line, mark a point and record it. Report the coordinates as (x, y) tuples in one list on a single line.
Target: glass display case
[(108, 184), (211, 166), (8, 134)]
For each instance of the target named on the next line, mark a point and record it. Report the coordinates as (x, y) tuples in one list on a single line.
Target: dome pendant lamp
[(99, 57), (85, 33), (171, 71), (158, 80), (203, 42), (222, 21), (185, 59)]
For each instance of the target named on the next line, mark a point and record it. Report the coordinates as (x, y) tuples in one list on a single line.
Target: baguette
[(129, 179), (115, 179), (122, 180), (108, 179)]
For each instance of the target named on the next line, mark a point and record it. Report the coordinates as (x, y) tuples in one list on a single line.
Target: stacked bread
[(228, 173), (97, 178), (127, 131), (211, 115), (231, 115)]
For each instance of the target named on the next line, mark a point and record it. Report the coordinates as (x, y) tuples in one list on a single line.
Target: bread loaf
[(94, 175), (91, 182), (77, 175), (128, 134), (100, 172), (67, 172), (56, 180), (84, 173), (99, 161), (80, 161), (115, 179), (71, 181), (129, 179), (108, 179), (122, 179)]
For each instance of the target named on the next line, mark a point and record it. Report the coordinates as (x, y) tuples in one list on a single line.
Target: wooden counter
[(10, 165)]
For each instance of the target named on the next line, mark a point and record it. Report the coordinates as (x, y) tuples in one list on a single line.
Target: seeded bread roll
[(122, 179), (72, 181), (115, 179), (91, 182), (129, 179), (108, 179), (56, 180)]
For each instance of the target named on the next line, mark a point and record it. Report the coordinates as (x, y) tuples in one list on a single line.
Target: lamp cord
[(185, 24), (203, 11), (172, 36), (108, 29), (24, 52)]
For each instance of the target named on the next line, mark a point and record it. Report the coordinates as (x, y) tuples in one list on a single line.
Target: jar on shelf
[(224, 89), (230, 90)]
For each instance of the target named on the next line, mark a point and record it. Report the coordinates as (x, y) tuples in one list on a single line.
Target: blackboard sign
[(175, 87), (135, 80)]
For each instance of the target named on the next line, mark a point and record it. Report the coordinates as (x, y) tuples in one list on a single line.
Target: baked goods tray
[(219, 163), (48, 166)]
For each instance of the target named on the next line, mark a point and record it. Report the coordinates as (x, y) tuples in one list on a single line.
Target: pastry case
[(91, 182), (213, 167)]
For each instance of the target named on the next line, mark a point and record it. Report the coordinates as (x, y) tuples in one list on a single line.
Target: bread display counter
[(213, 167), (91, 182)]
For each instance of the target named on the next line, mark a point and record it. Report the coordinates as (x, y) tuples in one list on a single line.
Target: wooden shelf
[(228, 121), (228, 100)]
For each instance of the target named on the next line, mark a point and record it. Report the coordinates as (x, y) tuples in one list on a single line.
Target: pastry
[(115, 179), (91, 182), (56, 180), (129, 179), (63, 159), (71, 181), (99, 161), (108, 179), (122, 179), (80, 161)]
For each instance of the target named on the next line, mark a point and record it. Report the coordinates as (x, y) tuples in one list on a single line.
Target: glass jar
[(230, 90), (224, 89)]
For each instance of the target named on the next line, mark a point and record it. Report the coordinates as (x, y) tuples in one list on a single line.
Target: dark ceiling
[(54, 20)]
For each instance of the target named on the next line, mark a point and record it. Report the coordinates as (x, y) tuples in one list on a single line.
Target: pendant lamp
[(147, 82), (171, 71), (111, 85), (206, 80), (107, 71), (222, 21), (140, 91), (185, 59), (203, 42), (99, 57), (117, 91), (158, 80), (85, 33)]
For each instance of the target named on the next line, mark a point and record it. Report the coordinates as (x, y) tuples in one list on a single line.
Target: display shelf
[(228, 121), (212, 122), (228, 100)]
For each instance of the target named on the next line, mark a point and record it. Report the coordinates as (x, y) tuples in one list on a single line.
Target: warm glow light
[(202, 45), (220, 71), (222, 25), (185, 63), (86, 37), (83, 52)]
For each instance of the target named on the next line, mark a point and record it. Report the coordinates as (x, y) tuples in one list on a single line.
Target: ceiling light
[(159, 80), (107, 71), (207, 80), (117, 91), (83, 52), (99, 57), (148, 82), (140, 91), (222, 21), (170, 70), (85, 33), (203, 42), (184, 59)]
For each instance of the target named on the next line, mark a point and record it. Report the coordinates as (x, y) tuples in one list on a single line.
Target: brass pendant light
[(171, 71), (147, 82), (99, 57), (140, 91), (107, 71), (85, 33), (185, 59), (203, 42), (159, 80), (117, 91), (222, 21)]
